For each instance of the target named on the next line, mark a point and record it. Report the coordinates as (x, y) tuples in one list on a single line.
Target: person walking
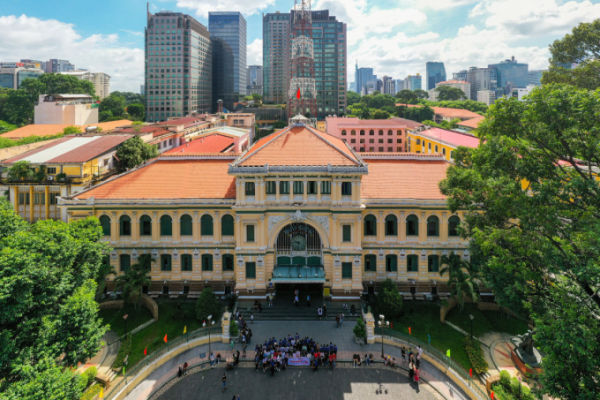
[(224, 380), (325, 310), (416, 376)]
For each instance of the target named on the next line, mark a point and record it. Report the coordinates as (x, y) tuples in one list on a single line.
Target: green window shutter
[(125, 226), (391, 263), (105, 223), (145, 226), (250, 270), (165, 262), (347, 233), (298, 187), (249, 188), (207, 262), (346, 188), (185, 225), (284, 187), (206, 225), (412, 263), (227, 262), (433, 263), (325, 187), (249, 233), (186, 262), (271, 187), (227, 225), (166, 226), (125, 261), (412, 225), (346, 270)]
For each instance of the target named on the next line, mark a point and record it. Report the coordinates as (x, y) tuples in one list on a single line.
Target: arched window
[(371, 132), (412, 225), (125, 226), (145, 226), (370, 225), (206, 225), (343, 132), (391, 263), (433, 263), (207, 262), (390, 132), (186, 262), (380, 132), (105, 224), (391, 225), (185, 225), (227, 225), (125, 261), (165, 262), (453, 223), (353, 132), (433, 226), (362, 132), (166, 226), (370, 262)]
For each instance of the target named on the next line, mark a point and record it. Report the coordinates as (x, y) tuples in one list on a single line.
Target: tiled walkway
[(321, 331)]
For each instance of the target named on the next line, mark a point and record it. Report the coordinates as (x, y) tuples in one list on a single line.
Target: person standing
[(224, 380), (325, 310), (308, 300), (416, 375)]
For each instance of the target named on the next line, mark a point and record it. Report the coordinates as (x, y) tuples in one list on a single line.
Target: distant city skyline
[(394, 37)]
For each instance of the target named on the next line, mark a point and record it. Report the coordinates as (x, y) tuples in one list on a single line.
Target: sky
[(395, 37)]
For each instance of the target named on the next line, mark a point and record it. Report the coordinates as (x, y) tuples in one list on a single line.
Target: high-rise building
[(255, 79), (435, 72), (328, 37), (482, 79), (363, 76), (34, 63), (100, 80), (228, 36), (55, 66), (414, 82), (12, 75), (534, 77), (486, 96), (276, 56), (178, 66), (511, 74), (460, 76), (400, 85), (389, 85)]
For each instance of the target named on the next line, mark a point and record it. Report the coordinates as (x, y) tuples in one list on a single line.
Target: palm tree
[(461, 278), (132, 282)]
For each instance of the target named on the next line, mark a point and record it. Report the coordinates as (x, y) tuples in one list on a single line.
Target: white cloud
[(29, 37), (439, 4), (535, 17), (254, 53), (246, 7)]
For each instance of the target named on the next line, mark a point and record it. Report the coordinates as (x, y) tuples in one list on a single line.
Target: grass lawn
[(173, 315), (114, 317), (486, 321), (424, 318)]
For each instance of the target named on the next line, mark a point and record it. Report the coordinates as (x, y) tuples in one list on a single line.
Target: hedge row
[(475, 355)]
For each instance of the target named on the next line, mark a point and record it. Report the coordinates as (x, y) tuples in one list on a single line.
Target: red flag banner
[(471, 372), (298, 95), (409, 330), (165, 338), (145, 351), (492, 395)]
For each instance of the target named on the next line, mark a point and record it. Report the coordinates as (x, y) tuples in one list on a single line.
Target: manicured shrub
[(360, 330), (476, 357), (88, 375)]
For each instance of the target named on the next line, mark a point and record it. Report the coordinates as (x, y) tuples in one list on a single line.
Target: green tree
[(379, 114), (389, 300), (134, 152), (421, 94), (418, 114), (112, 108), (17, 108), (449, 93), (47, 307), (136, 111), (461, 278), (208, 304), (20, 171), (407, 96), (352, 97), (531, 196), (56, 84), (132, 282), (581, 47), (130, 97)]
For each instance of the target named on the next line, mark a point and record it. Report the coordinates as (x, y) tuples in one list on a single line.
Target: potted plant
[(360, 331)]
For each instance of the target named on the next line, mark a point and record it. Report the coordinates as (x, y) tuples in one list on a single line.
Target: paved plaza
[(292, 384)]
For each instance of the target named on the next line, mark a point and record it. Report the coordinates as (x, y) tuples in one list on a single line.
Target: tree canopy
[(532, 199), (449, 93), (134, 152), (48, 316), (581, 47)]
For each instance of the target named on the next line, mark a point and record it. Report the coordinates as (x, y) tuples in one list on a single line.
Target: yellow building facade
[(299, 208), (438, 141)]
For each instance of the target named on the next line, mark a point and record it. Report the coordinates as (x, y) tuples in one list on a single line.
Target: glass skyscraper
[(329, 44), (178, 66), (511, 74), (435, 72), (362, 77), (228, 35)]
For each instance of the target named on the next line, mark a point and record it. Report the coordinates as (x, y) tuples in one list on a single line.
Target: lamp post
[(382, 324), (125, 319), (471, 317), (210, 323)]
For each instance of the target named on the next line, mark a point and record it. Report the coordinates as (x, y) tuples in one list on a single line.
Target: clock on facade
[(298, 243)]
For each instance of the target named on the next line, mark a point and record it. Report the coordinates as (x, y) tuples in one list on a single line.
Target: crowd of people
[(275, 355)]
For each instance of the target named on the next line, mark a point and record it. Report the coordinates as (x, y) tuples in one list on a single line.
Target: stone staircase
[(289, 312)]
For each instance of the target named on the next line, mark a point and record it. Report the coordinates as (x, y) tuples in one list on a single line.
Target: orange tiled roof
[(169, 179), (301, 146), (403, 179), (445, 111), (472, 123), (55, 129), (207, 144)]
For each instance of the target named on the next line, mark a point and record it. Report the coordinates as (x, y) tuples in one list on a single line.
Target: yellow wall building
[(299, 207), (427, 140)]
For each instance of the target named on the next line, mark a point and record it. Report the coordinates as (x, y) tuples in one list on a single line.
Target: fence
[(150, 358), (436, 354)]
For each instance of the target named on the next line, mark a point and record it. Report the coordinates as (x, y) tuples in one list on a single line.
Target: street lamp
[(471, 317), (210, 323), (382, 324)]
